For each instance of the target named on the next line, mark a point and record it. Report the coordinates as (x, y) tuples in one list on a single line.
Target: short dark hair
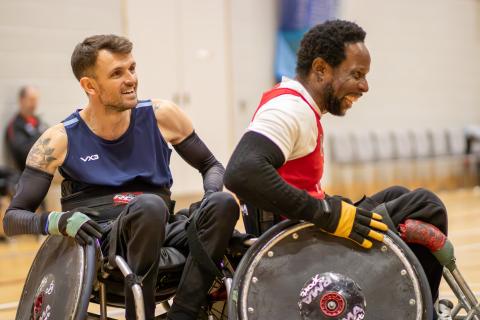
[(327, 41), (85, 53), (23, 91)]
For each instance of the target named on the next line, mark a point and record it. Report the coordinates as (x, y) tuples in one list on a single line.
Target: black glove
[(344, 220)]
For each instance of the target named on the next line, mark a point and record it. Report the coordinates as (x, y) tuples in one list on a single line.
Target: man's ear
[(321, 68), (89, 86)]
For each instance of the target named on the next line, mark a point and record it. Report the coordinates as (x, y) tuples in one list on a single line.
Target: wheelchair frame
[(137, 290), (466, 298)]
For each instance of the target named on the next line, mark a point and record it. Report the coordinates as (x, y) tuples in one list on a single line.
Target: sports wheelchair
[(66, 277), (291, 271)]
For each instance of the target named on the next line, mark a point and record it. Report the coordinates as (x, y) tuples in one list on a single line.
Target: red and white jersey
[(289, 117)]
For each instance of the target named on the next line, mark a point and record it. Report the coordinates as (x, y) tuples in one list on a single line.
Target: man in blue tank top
[(114, 157)]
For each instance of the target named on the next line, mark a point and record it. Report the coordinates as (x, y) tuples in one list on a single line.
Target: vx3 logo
[(90, 158)]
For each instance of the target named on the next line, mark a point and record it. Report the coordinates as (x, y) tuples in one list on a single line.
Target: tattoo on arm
[(155, 106), (41, 154)]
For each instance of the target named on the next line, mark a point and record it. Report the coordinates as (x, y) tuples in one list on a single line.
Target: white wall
[(254, 26), (36, 41)]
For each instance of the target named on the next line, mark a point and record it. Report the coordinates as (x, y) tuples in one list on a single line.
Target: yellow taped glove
[(347, 221)]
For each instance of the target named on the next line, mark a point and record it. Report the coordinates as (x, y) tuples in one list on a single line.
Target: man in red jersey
[(278, 164)]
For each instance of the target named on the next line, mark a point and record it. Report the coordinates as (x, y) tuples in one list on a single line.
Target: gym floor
[(463, 206)]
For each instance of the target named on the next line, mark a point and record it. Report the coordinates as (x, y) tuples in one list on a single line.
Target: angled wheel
[(59, 282), (295, 271)]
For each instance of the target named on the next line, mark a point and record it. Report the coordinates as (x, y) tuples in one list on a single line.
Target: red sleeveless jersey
[(306, 172)]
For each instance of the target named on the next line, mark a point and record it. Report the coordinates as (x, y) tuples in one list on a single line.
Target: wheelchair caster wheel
[(445, 309)]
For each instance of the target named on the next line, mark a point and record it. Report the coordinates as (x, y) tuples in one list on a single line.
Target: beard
[(332, 104), (115, 103)]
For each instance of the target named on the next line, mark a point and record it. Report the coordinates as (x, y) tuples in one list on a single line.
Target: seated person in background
[(25, 127), (8, 180), (472, 147), (114, 158), (278, 163)]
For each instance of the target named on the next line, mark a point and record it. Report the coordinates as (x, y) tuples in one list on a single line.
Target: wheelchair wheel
[(296, 271), (59, 282)]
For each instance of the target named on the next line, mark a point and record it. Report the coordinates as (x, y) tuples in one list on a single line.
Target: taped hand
[(347, 221), (75, 225)]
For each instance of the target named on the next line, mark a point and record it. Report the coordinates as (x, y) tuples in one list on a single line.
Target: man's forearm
[(197, 154), (213, 178), (31, 190), (17, 221)]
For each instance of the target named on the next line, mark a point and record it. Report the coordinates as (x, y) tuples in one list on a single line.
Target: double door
[(181, 49)]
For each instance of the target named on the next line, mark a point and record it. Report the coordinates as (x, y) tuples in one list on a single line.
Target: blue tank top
[(140, 155)]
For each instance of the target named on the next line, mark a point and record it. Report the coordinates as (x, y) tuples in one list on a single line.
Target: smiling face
[(117, 79), (114, 80), (348, 80)]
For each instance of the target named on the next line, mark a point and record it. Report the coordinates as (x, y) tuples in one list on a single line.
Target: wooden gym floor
[(463, 206)]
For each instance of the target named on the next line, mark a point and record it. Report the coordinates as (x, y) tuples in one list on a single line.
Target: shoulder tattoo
[(41, 154), (156, 105)]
